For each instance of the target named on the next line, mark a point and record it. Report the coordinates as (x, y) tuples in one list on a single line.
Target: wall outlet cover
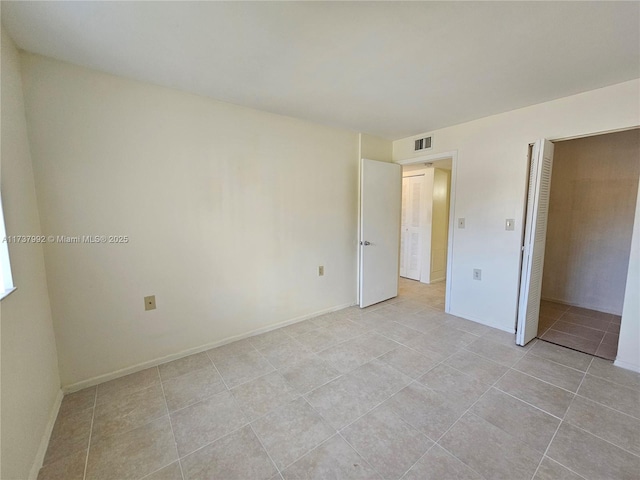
[(150, 302)]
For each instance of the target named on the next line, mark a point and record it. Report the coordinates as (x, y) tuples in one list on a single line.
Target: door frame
[(555, 140), (434, 157)]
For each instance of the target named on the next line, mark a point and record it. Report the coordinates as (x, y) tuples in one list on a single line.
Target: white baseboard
[(44, 441), (483, 322), (628, 366), (90, 382), (587, 306)]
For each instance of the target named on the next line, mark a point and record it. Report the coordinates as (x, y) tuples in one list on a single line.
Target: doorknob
[(365, 243)]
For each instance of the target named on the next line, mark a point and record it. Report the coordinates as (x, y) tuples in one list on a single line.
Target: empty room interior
[(320, 240)]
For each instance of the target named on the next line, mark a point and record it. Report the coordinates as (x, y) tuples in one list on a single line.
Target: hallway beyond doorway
[(432, 294)]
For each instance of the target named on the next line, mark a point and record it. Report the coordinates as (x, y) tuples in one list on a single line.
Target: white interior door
[(380, 200), (411, 227), (534, 241)]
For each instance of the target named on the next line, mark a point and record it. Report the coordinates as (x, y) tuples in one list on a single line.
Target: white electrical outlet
[(321, 270), (477, 274), (461, 223)]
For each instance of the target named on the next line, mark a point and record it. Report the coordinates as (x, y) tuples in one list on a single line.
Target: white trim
[(359, 225), (7, 292), (432, 157), (586, 305), (90, 382), (484, 322), (594, 134), (453, 155), (46, 436), (627, 366), (6, 277)]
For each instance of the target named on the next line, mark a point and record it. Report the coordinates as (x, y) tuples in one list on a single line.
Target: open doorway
[(585, 240), (591, 213), (424, 230)]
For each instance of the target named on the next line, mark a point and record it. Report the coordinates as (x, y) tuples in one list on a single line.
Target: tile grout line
[(213, 441), (340, 375), (93, 415), (436, 442), (575, 334), (147, 422), (563, 466), (265, 450), (601, 341), (247, 424), (574, 349), (568, 335), (559, 425), (173, 433), (527, 403), (157, 470), (578, 388), (470, 407), (463, 414), (603, 439), (560, 319), (336, 433), (547, 382), (266, 413), (620, 412), (558, 363), (433, 445), (413, 380), (359, 454)]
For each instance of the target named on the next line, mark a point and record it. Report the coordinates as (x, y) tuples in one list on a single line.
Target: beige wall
[(229, 211), (30, 380), (375, 148), (488, 186), (594, 186), (440, 225)]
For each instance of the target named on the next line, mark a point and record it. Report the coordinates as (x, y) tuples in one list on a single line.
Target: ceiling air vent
[(423, 144)]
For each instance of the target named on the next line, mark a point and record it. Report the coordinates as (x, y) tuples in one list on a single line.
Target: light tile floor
[(398, 390), (581, 329)]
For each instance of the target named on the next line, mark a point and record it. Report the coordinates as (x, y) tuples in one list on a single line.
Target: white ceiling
[(392, 69)]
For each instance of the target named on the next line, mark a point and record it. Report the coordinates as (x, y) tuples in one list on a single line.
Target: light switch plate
[(461, 223), (321, 270), (509, 224)]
